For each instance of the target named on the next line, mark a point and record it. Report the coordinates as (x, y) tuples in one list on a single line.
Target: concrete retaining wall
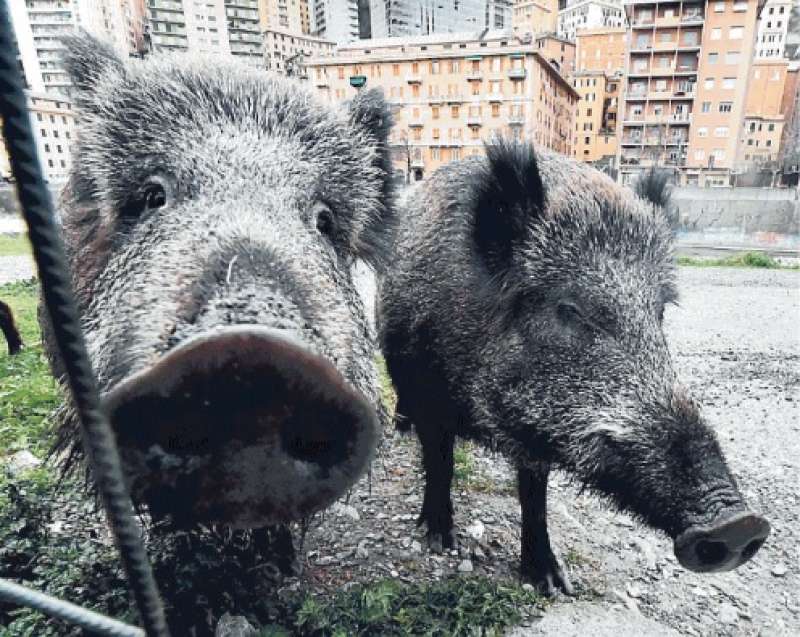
[(767, 218)]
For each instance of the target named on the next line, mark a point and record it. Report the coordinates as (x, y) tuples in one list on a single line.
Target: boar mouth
[(243, 426)]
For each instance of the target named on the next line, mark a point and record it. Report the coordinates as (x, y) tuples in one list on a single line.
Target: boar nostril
[(710, 552), (751, 549)]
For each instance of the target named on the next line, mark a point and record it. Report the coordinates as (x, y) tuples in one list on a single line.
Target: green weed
[(743, 260), (13, 245)]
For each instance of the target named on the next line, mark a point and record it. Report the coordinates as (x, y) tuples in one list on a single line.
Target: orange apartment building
[(687, 80), (596, 117), (602, 49), (451, 93), (534, 17), (558, 51)]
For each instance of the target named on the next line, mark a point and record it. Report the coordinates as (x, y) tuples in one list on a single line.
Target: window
[(719, 7), (742, 6), (436, 153), (712, 58), (709, 83), (44, 133), (721, 131), (476, 88), (729, 83), (434, 67), (699, 155), (454, 112), (435, 133), (749, 142), (769, 142), (732, 57), (435, 112), (736, 33), (39, 116), (495, 110), (417, 133), (706, 107), (716, 33), (725, 107), (771, 127), (47, 148), (702, 131), (395, 69), (719, 154)]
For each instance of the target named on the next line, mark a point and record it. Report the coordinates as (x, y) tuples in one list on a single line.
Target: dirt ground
[(736, 343)]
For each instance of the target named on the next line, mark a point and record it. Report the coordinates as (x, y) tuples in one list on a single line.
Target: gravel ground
[(15, 269), (736, 342)]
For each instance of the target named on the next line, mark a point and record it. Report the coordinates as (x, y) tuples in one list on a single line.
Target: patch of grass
[(574, 558), (464, 470), (28, 393), (743, 260), (388, 394), (455, 606), (13, 245)]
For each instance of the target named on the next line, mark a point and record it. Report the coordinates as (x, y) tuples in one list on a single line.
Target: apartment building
[(290, 16), (335, 20), (558, 51), (773, 28), (589, 14), (54, 129), (452, 93), (39, 26), (596, 116), (408, 18), (684, 99), (534, 17), (602, 49), (286, 52), (227, 27), (764, 119)]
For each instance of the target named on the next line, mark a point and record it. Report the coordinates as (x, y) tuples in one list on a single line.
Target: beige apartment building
[(558, 51), (286, 52), (288, 16), (764, 119), (532, 17), (452, 93), (602, 49), (596, 117), (685, 95), (54, 130)]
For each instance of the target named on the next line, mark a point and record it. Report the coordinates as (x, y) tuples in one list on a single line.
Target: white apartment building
[(39, 26), (405, 18), (589, 14), (54, 129), (335, 20), (226, 27), (286, 51), (773, 27)]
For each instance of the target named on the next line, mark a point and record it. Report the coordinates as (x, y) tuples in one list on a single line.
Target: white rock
[(476, 530), (394, 574), (465, 566), (346, 511), (779, 570), (234, 626), (326, 560), (728, 613), (527, 587), (21, 461), (361, 552), (633, 591), (416, 547)]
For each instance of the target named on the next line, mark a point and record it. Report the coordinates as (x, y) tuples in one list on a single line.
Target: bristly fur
[(524, 309), (246, 156), (653, 185)]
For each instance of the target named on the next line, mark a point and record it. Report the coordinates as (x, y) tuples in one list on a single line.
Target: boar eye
[(326, 224), (569, 313), (155, 196)]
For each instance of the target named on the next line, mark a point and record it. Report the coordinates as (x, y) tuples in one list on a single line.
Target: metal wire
[(98, 439), (87, 619)]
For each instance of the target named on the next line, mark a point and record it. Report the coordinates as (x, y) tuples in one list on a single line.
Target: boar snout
[(723, 545), (241, 425)]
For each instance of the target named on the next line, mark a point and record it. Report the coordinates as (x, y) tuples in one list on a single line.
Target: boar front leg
[(437, 507), (539, 564), (9, 329)]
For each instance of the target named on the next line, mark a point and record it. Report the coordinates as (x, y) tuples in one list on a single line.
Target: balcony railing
[(474, 120), (415, 122), (474, 75), (414, 78), (516, 120), (517, 74)]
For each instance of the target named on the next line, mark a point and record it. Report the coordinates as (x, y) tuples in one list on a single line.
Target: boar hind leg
[(437, 507), (9, 329), (539, 564)]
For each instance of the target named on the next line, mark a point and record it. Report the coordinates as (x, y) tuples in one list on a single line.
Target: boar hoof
[(438, 542), (548, 576)]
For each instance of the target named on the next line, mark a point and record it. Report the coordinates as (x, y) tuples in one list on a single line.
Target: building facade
[(687, 79), (226, 27), (284, 15), (589, 14), (452, 94), (773, 28), (533, 17), (410, 18), (335, 20), (596, 116), (558, 51), (601, 49), (286, 52), (54, 130)]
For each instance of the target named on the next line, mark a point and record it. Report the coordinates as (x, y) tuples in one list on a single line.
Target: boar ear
[(508, 197), (369, 112), (86, 59)]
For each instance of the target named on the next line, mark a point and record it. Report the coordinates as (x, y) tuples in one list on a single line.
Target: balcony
[(474, 75), (474, 120), (454, 98), (516, 120), (321, 82), (631, 141), (417, 162), (517, 74), (415, 122), (414, 78)]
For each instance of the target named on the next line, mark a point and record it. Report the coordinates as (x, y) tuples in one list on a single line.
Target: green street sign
[(357, 81)]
